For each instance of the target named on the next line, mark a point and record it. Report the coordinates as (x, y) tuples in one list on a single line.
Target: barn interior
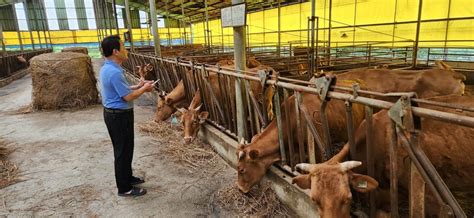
[(249, 61)]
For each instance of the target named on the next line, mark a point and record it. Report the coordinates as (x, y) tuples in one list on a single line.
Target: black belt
[(117, 111)]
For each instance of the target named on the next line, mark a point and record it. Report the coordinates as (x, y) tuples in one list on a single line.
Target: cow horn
[(242, 141), (303, 166), (241, 154), (198, 108), (349, 165)]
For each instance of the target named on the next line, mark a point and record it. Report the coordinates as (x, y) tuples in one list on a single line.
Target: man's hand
[(147, 86)]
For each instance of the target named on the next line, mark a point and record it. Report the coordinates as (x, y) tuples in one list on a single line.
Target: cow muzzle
[(188, 139)]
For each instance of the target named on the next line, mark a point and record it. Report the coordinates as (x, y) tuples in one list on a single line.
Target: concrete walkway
[(65, 161)]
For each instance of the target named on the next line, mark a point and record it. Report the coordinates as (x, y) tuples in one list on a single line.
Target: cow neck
[(267, 142)]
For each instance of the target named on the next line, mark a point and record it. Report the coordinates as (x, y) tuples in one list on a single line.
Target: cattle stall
[(314, 143), (10, 63)]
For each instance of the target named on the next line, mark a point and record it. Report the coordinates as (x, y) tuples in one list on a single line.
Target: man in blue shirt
[(117, 98)]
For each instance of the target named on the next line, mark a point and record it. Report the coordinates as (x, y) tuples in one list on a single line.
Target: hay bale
[(63, 80), (82, 50)]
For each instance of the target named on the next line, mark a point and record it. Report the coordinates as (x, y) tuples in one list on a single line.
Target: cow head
[(164, 108), (330, 183), (253, 162), (192, 119), (21, 59)]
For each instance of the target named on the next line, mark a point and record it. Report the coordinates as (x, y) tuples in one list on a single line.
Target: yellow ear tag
[(362, 184)]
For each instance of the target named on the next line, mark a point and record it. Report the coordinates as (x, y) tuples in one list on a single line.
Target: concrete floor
[(65, 160)]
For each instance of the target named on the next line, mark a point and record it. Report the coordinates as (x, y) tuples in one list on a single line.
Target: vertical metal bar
[(129, 24), (350, 128), (312, 20), (393, 153), (299, 124), (107, 13), (25, 7), (154, 24), (370, 155), (279, 29), (184, 22), (316, 56), (2, 41), (288, 126), (327, 134), (276, 99), (42, 21), (207, 26), (311, 148), (417, 38), (36, 23), (417, 193), (329, 33), (394, 20), (239, 60), (446, 30), (17, 27), (428, 57), (168, 26), (47, 25), (354, 29), (114, 8)]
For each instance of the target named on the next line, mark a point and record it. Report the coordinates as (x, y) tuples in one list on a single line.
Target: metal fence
[(9, 63), (221, 105)]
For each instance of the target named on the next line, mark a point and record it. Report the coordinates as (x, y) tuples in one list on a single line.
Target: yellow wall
[(294, 18), (87, 36), (262, 26)]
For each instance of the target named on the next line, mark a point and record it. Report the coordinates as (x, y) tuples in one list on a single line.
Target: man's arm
[(147, 87)]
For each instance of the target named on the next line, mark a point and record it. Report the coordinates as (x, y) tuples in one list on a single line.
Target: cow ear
[(253, 154), (254, 137), (168, 101), (303, 181), (203, 116), (363, 183)]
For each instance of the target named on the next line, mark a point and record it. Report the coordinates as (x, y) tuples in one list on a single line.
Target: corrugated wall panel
[(81, 14)]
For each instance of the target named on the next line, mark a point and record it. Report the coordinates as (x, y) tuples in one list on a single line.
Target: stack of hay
[(82, 50), (63, 80)]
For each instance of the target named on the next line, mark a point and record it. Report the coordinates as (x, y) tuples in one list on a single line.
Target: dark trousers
[(120, 127)]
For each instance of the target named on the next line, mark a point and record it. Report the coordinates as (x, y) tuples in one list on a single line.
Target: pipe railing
[(307, 141)]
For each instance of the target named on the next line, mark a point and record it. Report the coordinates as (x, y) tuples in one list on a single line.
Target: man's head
[(113, 48)]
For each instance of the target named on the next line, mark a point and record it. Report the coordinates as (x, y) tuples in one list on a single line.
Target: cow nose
[(188, 139)]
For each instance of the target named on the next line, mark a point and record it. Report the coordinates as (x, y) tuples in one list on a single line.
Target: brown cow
[(449, 148), (426, 83), (169, 102), (251, 170), (330, 184), (192, 118), (255, 159)]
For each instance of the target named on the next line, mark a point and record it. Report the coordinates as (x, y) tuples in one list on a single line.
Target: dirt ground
[(65, 160)]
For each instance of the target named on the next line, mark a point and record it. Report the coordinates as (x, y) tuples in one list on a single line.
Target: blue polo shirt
[(114, 86)]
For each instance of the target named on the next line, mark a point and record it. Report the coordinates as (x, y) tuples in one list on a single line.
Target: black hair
[(109, 44)]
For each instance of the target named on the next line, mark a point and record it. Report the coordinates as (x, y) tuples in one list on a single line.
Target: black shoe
[(135, 192), (136, 180)]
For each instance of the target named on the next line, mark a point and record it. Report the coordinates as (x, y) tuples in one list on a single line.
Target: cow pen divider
[(9, 63), (318, 147)]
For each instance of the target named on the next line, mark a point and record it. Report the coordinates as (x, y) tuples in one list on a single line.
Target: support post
[(329, 33), (239, 60), (129, 24), (25, 7), (417, 39), (4, 52), (114, 8), (17, 27), (154, 28), (279, 29)]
